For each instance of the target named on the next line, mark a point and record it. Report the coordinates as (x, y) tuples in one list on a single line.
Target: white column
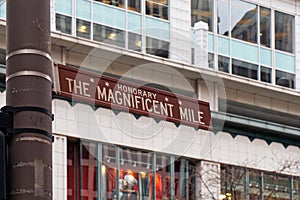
[(201, 44)]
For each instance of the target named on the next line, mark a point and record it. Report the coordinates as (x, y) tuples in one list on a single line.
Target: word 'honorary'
[(125, 96)]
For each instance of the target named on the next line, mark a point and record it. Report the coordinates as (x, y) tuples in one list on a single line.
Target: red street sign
[(117, 94)]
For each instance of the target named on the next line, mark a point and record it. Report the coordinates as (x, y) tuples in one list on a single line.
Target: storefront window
[(163, 177), (63, 23), (109, 35), (296, 188), (233, 183), (265, 26), (157, 8), (88, 164), (118, 3), (223, 17), (157, 47), (284, 32), (276, 187), (254, 185), (244, 69), (244, 21), (202, 11), (109, 172), (72, 170), (83, 28)]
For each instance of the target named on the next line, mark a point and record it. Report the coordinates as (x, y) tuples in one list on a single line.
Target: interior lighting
[(112, 36), (82, 29), (122, 161), (134, 164), (108, 160)]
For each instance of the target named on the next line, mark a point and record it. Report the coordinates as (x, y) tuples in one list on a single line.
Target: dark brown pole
[(29, 93)]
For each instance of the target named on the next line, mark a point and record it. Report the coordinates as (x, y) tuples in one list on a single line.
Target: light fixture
[(82, 29), (134, 164), (112, 36), (138, 43), (157, 167), (148, 166), (108, 160), (122, 161)]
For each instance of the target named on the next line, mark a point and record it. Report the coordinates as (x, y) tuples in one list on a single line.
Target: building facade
[(241, 57)]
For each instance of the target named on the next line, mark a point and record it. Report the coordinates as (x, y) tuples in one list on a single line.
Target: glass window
[(72, 169), (211, 61), (157, 8), (109, 35), (284, 32), (83, 28), (285, 79), (223, 64), (223, 17), (202, 11), (254, 185), (134, 41), (157, 47), (265, 26), (244, 21), (233, 182), (163, 177), (296, 189), (276, 187), (118, 3), (88, 164), (134, 5), (244, 69), (63, 23), (266, 74), (109, 172)]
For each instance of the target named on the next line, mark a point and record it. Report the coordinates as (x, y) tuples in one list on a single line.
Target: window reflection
[(244, 69), (265, 26), (254, 185), (276, 187), (266, 74), (223, 64), (223, 17), (285, 79), (134, 41), (157, 47), (63, 23), (284, 32), (163, 177), (157, 8), (202, 11), (134, 5), (109, 35), (118, 3), (296, 189), (109, 172), (244, 21), (83, 28)]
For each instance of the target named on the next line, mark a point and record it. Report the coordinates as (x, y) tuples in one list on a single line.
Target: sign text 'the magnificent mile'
[(101, 90)]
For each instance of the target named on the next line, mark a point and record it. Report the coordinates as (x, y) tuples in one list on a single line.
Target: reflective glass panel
[(265, 26), (284, 32), (276, 187), (223, 17), (223, 64), (254, 185), (202, 11), (63, 23), (88, 164), (296, 188), (72, 170), (157, 47), (109, 35), (266, 74), (285, 79), (157, 8), (134, 41), (134, 5), (118, 3), (83, 28), (109, 172), (163, 177), (244, 21), (244, 69)]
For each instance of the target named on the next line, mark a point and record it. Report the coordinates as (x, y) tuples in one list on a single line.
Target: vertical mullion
[(99, 171)]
